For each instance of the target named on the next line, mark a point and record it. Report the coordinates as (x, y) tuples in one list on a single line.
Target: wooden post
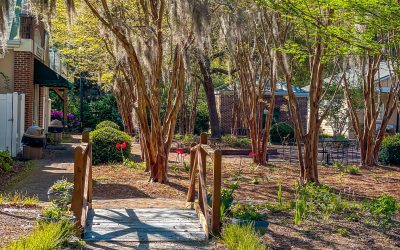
[(65, 99), (203, 161), (216, 196), (90, 187), (77, 198), (85, 136), (191, 191)]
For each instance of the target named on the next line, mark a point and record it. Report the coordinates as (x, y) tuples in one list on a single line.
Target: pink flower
[(118, 146), (179, 151), (252, 154), (123, 145)]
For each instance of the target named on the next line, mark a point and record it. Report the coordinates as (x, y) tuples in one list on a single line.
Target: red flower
[(179, 151), (118, 146), (123, 145), (252, 154)]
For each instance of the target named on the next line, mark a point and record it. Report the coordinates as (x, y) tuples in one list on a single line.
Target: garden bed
[(19, 170), (259, 185), (16, 222)]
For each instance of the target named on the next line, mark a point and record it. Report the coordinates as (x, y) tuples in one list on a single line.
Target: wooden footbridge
[(146, 225)]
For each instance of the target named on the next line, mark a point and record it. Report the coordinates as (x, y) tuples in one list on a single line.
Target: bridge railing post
[(216, 195)]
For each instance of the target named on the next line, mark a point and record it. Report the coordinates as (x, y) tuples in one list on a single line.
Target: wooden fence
[(82, 194), (209, 216)]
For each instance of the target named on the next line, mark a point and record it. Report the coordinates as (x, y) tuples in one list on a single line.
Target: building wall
[(23, 81), (7, 68), (225, 104)]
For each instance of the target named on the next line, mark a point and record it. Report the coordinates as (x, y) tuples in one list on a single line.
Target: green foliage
[(54, 213), (236, 142), (61, 193), (107, 123), (18, 199), (343, 232), (353, 170), (104, 141), (177, 167), (281, 132), (383, 208), (6, 161), (48, 236), (390, 150), (247, 212), (187, 139), (280, 193), (135, 166), (227, 198), (241, 237)]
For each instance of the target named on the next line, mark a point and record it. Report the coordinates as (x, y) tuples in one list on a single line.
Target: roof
[(353, 75), (281, 89)]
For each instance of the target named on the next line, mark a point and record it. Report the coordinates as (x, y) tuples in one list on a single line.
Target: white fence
[(12, 119)]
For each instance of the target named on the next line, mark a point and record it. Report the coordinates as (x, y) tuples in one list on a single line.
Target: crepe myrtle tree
[(152, 38)]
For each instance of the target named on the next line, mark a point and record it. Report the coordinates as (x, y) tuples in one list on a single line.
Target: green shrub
[(247, 212), (390, 150), (281, 132), (110, 124), (236, 142), (47, 236), (187, 139), (6, 161), (104, 145), (237, 237), (54, 213)]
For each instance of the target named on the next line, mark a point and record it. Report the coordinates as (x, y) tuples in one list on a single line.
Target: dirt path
[(57, 164)]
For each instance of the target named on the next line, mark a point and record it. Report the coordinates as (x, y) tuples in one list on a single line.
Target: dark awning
[(46, 77)]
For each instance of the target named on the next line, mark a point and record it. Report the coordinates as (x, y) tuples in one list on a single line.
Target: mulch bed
[(16, 222), (7, 178), (120, 182)]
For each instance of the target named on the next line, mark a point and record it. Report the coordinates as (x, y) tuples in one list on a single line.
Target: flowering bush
[(57, 115), (60, 115)]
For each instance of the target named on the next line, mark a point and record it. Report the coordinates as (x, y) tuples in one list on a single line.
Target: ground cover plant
[(236, 142), (6, 161), (241, 237)]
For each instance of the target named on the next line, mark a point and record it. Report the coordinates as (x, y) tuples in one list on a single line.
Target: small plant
[(353, 170), (241, 237), (255, 181), (300, 210), (227, 199), (339, 165), (19, 199), (135, 166), (184, 167), (187, 139), (54, 213), (107, 123), (344, 232), (61, 193), (47, 236), (247, 212), (383, 208), (280, 193), (6, 161)]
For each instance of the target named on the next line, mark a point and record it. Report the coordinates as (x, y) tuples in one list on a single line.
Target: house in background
[(383, 78), (226, 99), (31, 69)]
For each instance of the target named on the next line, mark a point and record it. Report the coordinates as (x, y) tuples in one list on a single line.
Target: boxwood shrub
[(281, 131), (390, 150), (107, 123), (104, 145)]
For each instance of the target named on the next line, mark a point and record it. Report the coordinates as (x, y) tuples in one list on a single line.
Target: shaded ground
[(17, 172), (119, 181), (16, 223)]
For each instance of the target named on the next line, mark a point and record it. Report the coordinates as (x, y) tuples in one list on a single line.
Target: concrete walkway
[(58, 163)]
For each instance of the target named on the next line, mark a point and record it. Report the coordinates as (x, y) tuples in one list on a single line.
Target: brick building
[(226, 98), (28, 65)]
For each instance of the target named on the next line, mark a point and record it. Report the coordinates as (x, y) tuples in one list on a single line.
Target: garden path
[(58, 163)]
